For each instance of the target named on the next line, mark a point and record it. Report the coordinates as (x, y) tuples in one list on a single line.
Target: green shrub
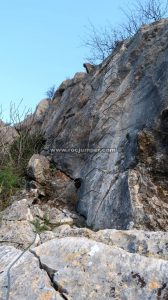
[(9, 183), (13, 169), (8, 179), (19, 140), (38, 226)]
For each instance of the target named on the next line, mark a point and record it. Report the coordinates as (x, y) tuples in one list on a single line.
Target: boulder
[(89, 67), (38, 168), (60, 216), (26, 218), (63, 188), (16, 226)]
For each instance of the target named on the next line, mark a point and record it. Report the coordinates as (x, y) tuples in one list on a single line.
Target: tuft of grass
[(46, 219), (53, 166), (38, 226)]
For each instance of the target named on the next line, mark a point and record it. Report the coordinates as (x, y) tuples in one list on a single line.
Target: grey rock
[(63, 188), (15, 226), (22, 219), (41, 110), (89, 67), (27, 280), (146, 243), (47, 236), (17, 211), (38, 168), (58, 217), (64, 85), (17, 233), (35, 189), (112, 108), (79, 76), (62, 216), (85, 269)]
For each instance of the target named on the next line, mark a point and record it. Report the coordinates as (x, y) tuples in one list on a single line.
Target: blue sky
[(41, 43)]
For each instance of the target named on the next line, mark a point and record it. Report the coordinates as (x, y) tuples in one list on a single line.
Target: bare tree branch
[(102, 41)]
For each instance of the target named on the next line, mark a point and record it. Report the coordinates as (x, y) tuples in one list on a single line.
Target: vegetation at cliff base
[(18, 142)]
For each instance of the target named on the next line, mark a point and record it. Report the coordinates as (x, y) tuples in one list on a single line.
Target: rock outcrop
[(41, 109), (109, 128), (7, 136), (91, 223)]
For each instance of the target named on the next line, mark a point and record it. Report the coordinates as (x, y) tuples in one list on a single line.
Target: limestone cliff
[(119, 107)]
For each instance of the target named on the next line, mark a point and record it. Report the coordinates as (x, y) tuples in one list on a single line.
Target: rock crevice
[(50, 272)]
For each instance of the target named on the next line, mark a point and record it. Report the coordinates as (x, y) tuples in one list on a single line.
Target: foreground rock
[(25, 280), (77, 263), (121, 106), (80, 264), (85, 269), (16, 228), (23, 220)]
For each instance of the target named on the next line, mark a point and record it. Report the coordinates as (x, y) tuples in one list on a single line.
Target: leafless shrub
[(143, 12), (20, 139), (152, 10), (50, 92), (102, 41), (29, 138)]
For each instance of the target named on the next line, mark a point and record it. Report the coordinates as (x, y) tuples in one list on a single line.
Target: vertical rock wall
[(120, 107)]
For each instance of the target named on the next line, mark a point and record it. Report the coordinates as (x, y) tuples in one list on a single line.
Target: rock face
[(7, 136), (41, 109), (109, 128)]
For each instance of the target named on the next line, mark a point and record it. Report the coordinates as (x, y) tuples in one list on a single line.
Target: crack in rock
[(50, 272)]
